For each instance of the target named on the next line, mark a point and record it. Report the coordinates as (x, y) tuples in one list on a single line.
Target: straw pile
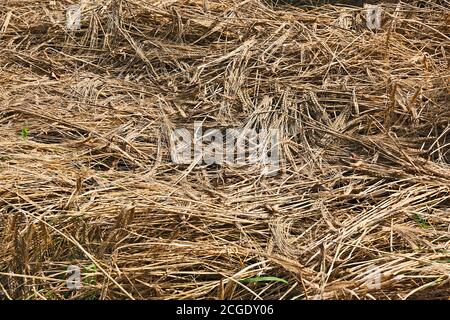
[(359, 210)]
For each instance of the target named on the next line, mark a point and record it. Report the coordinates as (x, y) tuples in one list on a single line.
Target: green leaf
[(263, 279), (91, 268), (443, 261), (421, 221), (90, 278), (24, 133)]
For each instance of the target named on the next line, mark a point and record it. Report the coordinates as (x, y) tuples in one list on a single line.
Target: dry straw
[(359, 210)]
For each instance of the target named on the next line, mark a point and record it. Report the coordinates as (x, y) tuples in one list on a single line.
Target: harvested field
[(360, 206)]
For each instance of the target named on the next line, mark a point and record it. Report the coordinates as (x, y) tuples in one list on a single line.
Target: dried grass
[(365, 124)]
